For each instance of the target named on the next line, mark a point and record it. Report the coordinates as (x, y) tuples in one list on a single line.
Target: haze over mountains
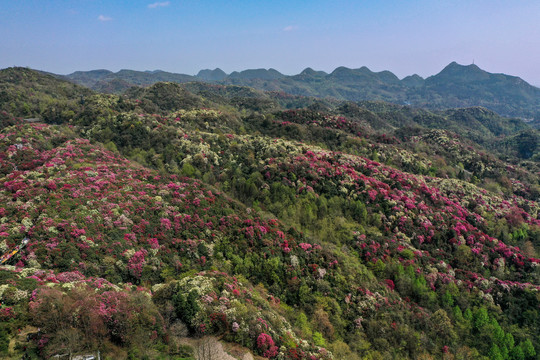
[(455, 86)]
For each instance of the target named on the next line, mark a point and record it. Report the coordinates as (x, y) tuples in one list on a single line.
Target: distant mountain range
[(455, 86)]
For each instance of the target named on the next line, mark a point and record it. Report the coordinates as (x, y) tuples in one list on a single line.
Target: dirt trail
[(210, 348)]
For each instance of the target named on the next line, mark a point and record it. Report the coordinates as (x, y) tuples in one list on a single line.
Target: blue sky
[(405, 37)]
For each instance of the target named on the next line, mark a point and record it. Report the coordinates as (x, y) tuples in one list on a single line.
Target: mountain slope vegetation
[(292, 227)]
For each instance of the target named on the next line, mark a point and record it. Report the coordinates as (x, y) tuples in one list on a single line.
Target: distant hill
[(455, 86), (261, 74), (212, 75), (108, 81), (23, 92), (413, 81), (462, 86)]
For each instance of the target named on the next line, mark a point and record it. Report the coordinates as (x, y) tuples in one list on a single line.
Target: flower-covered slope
[(91, 215), (437, 242), (252, 230)]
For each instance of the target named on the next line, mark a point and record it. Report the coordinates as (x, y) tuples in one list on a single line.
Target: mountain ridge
[(454, 86)]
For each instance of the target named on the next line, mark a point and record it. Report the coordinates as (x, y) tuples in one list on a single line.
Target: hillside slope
[(296, 233)]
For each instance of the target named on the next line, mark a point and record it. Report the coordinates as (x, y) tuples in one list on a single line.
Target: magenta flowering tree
[(266, 345), (136, 263)]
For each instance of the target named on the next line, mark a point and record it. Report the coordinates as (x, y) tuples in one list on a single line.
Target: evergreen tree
[(495, 353), (480, 318), (528, 349), (517, 353)]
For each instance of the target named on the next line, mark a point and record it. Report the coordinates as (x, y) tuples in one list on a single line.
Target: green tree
[(322, 207), (497, 333), (509, 341), (528, 349), (359, 212), (4, 340), (442, 325), (188, 170), (480, 318), (304, 294), (307, 212), (318, 339), (468, 315), (504, 351), (495, 353), (458, 315), (186, 307), (447, 299), (303, 324), (517, 353)]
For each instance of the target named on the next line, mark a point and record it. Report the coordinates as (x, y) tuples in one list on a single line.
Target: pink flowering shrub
[(266, 345), (6, 314), (136, 263)]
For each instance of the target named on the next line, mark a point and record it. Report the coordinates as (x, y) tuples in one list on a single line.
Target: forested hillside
[(288, 227), (456, 86)]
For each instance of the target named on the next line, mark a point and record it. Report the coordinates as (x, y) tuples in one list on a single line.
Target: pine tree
[(528, 349), (495, 353)]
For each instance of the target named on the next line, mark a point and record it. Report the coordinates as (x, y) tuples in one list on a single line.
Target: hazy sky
[(185, 36)]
